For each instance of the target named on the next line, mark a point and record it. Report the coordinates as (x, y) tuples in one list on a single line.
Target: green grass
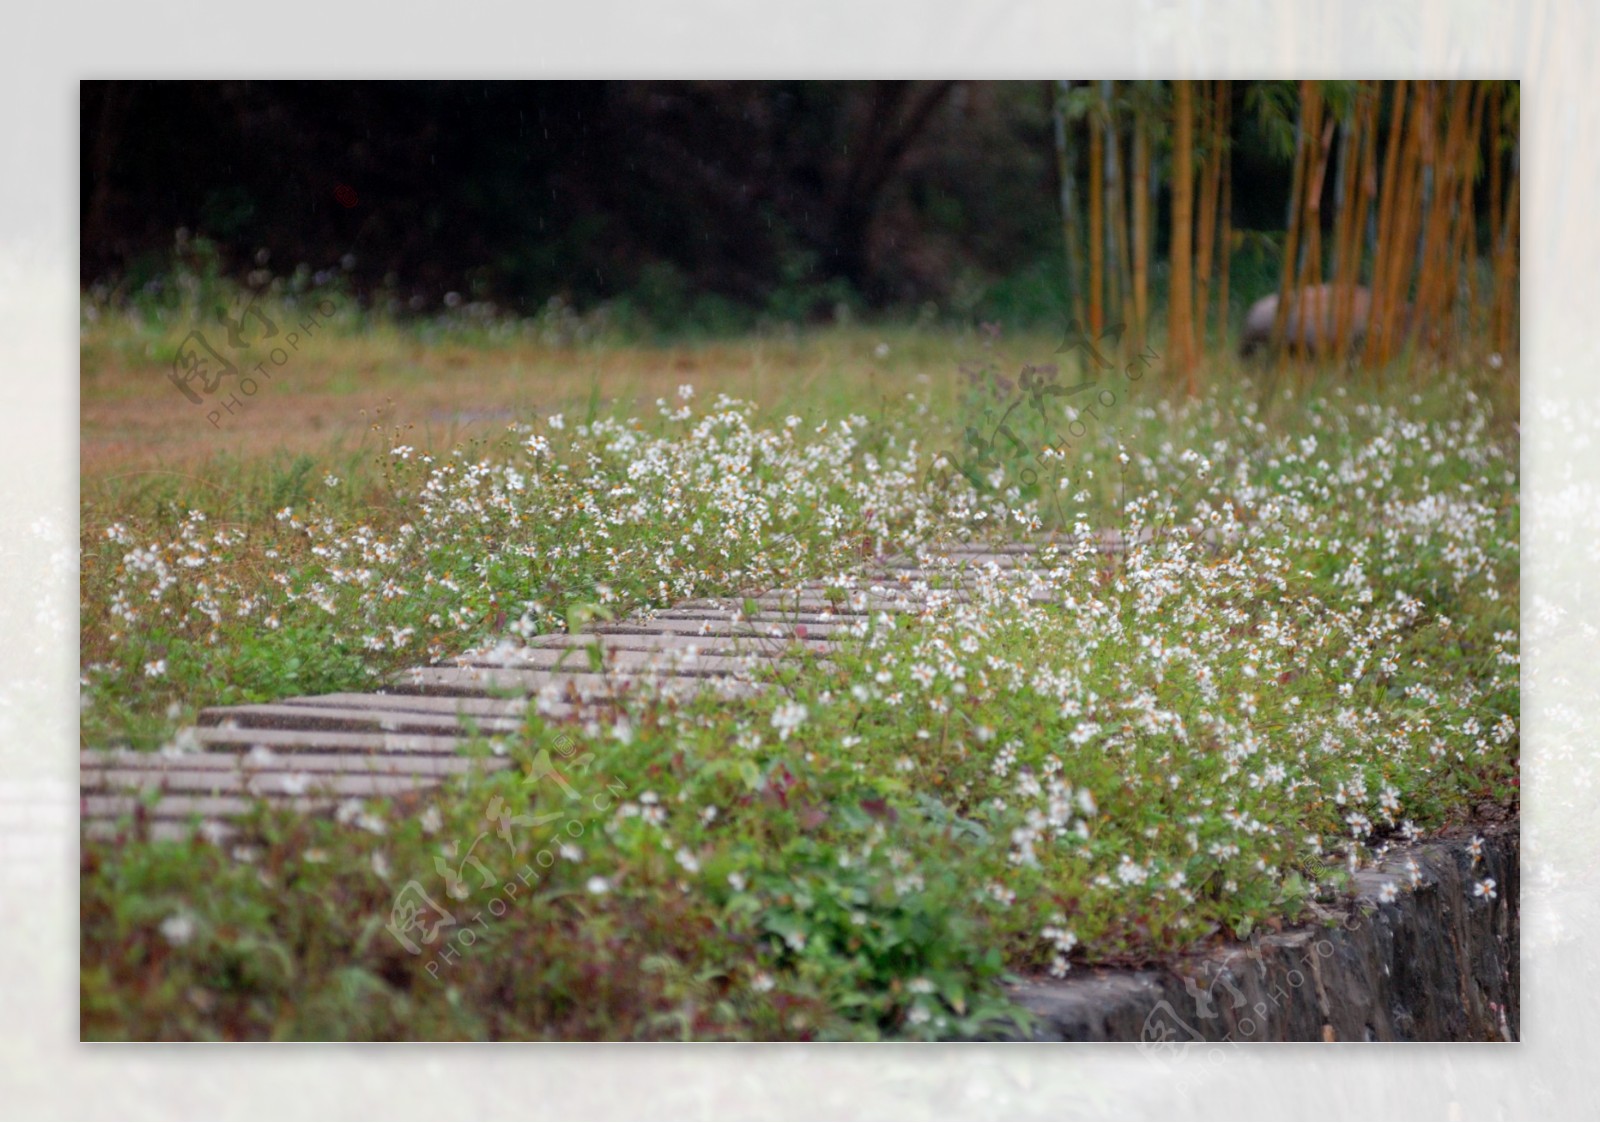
[(1166, 747)]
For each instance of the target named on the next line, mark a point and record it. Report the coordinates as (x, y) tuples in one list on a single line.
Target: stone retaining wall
[(1438, 963)]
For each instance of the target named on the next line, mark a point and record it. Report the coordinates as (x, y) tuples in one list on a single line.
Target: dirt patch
[(134, 420)]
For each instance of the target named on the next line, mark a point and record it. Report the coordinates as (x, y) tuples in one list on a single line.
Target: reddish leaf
[(879, 809)]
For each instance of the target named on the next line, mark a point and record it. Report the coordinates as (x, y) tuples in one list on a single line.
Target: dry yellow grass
[(133, 421), (325, 399)]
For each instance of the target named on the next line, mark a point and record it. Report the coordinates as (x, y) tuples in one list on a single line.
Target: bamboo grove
[(1408, 190)]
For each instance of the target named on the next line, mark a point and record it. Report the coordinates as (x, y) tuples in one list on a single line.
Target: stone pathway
[(315, 753)]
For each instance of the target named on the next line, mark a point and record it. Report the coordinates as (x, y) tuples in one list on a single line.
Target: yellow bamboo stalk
[(1311, 266), (1225, 262), (1383, 257), (1410, 212), (1505, 270), (1097, 228), (1291, 237), (1496, 199), (1210, 189), (1180, 301), (1120, 297), (1399, 248), (1347, 224), (1141, 226), (1464, 248), (1436, 298), (1070, 236)]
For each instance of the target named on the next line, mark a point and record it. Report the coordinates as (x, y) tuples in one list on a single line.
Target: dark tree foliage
[(878, 192), (787, 198)]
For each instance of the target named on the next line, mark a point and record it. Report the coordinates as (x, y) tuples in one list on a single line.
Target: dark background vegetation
[(699, 204)]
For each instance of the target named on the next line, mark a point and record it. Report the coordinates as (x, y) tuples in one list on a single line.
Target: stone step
[(678, 662), (277, 785), (320, 740), (478, 708), (845, 610), (160, 830), (353, 719), (488, 681), (184, 807), (721, 629), (706, 645), (736, 616), (93, 761)]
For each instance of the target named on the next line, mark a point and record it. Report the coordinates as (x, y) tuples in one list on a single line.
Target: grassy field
[(1176, 746)]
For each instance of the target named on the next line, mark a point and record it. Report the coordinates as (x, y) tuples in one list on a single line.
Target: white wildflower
[(787, 718), (179, 929)]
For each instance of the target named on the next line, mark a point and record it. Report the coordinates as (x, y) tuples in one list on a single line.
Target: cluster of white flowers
[(787, 718), (1192, 682)]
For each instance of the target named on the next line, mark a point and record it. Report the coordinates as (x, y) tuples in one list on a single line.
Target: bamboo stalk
[(1436, 296), (1496, 199), (1409, 227), (1410, 233), (1180, 299), (1464, 249), (1125, 233), (1395, 248), (1347, 223), (1433, 174), (1383, 256), (1225, 263), (1343, 192), (1097, 229), (1369, 179), (1119, 291), (1291, 238), (1141, 225), (1069, 203), (1311, 261), (1210, 189), (1505, 264)]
